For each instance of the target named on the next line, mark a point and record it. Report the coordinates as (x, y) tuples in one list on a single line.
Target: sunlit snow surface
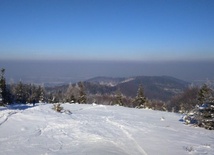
[(98, 130)]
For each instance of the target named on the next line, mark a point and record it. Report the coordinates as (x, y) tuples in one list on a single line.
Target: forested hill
[(155, 87)]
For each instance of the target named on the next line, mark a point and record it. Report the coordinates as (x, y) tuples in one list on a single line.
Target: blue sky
[(136, 30)]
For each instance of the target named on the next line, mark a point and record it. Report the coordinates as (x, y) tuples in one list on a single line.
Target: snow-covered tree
[(20, 93), (140, 99), (2, 88), (1, 99), (71, 94), (203, 115), (119, 98), (204, 94), (82, 95), (32, 93), (52, 97), (41, 94)]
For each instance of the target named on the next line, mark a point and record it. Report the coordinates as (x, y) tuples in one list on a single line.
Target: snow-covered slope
[(98, 130)]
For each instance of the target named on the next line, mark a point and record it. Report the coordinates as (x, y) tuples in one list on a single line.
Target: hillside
[(155, 87), (98, 129), (107, 81)]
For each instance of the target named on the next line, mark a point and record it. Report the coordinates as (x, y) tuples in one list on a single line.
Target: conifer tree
[(118, 97), (20, 93), (1, 99), (32, 94), (72, 99), (41, 94), (82, 95), (204, 113), (204, 94), (3, 93), (140, 99), (70, 94)]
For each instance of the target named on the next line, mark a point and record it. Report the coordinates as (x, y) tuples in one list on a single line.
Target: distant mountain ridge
[(108, 81), (155, 87)]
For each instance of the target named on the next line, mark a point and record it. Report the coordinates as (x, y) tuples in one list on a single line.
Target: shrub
[(57, 107)]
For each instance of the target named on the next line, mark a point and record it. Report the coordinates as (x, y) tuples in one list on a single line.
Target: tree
[(82, 95), (185, 101), (203, 115), (41, 94), (1, 98), (119, 98), (140, 99), (3, 94), (32, 94), (204, 94), (21, 93), (70, 94)]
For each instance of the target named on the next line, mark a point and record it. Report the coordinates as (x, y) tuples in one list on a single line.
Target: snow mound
[(98, 129)]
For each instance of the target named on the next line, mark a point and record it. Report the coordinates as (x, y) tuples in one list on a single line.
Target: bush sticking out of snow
[(57, 107), (189, 148)]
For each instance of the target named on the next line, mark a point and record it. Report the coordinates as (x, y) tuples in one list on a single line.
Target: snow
[(98, 129), (127, 80)]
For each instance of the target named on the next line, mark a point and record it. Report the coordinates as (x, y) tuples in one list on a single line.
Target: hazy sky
[(152, 30)]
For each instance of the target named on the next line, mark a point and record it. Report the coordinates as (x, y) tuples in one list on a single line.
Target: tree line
[(77, 93)]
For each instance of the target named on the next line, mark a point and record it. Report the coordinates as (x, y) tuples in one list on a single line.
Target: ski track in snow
[(128, 135), (6, 116)]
